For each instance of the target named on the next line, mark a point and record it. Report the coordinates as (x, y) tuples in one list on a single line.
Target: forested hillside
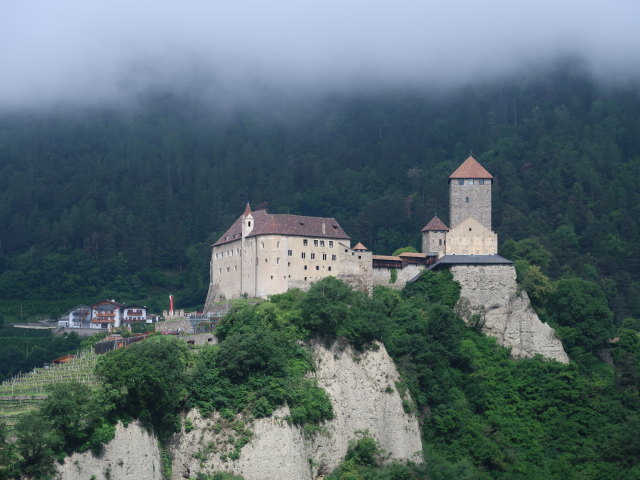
[(98, 203)]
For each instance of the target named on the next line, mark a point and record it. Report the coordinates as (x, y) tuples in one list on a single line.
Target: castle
[(263, 254)]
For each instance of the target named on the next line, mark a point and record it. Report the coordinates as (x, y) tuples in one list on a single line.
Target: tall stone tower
[(470, 194)]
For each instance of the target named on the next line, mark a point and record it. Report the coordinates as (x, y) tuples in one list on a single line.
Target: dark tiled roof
[(470, 168), (435, 224), (472, 260), (284, 224)]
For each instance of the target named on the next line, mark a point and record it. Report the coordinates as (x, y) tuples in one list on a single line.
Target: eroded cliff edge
[(492, 292), (362, 388)]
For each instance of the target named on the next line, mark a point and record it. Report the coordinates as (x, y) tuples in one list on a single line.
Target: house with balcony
[(106, 314), (133, 314)]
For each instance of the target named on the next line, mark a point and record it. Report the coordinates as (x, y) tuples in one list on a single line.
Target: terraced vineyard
[(24, 393)]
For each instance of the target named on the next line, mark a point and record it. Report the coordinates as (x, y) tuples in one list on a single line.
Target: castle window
[(481, 181), (317, 267), (333, 257), (330, 243), (235, 267), (303, 255), (469, 228), (288, 264), (315, 243), (359, 257), (305, 267), (461, 181), (228, 269), (313, 256), (249, 223), (261, 244), (266, 261), (466, 199), (278, 261), (271, 277), (440, 242), (290, 253), (324, 256), (469, 181), (322, 243), (329, 268), (305, 279), (278, 245), (305, 242)]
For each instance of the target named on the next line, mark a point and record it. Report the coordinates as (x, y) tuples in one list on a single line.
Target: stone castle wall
[(382, 276)]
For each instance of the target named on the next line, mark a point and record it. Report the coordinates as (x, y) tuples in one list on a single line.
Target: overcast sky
[(92, 51)]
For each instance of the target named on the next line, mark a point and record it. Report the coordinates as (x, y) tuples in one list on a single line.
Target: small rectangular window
[(333, 257), (303, 255), (322, 243), (330, 243), (481, 181), (461, 181), (313, 256), (324, 256), (315, 243), (317, 267), (469, 181), (290, 253), (305, 242)]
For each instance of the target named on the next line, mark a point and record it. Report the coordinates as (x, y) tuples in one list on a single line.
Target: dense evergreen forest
[(123, 204)]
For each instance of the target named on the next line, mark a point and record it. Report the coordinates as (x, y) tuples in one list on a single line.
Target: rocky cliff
[(132, 454), (362, 388), (492, 292), (364, 397)]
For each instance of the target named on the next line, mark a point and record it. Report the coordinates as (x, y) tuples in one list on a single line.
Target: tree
[(147, 381), (74, 413), (37, 442), (580, 307), (7, 454)]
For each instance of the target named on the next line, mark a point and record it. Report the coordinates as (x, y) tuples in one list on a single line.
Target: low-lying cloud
[(79, 52)]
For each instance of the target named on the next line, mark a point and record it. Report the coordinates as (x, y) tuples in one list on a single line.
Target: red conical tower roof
[(470, 168), (435, 224), (360, 246), (247, 210)]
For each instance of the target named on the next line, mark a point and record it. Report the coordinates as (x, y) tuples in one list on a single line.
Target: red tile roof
[(386, 257), (470, 168), (413, 255), (279, 224), (435, 224), (247, 209), (359, 246)]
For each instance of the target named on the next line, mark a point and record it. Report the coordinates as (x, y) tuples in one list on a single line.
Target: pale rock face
[(363, 394), (133, 454), (492, 291)]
